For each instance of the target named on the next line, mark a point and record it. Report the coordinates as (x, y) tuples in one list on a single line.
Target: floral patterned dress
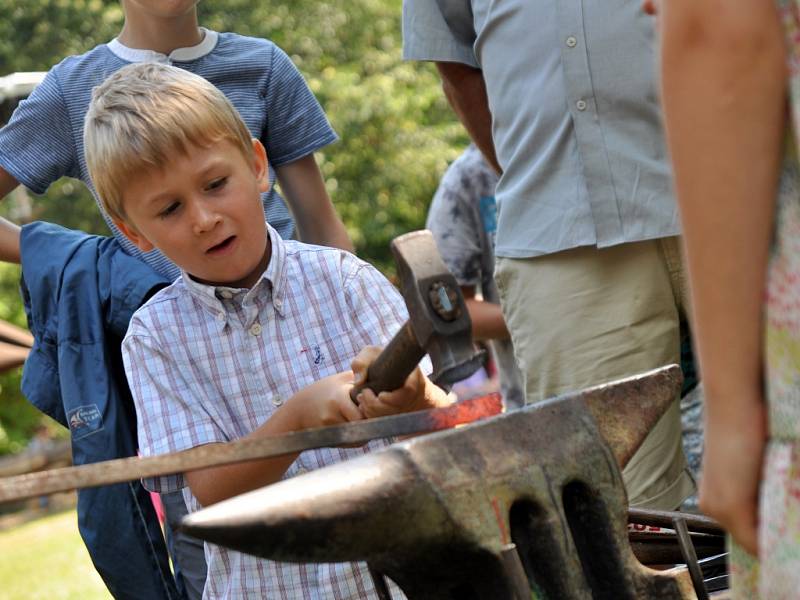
[(778, 575)]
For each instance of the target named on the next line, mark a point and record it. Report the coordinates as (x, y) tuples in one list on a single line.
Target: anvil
[(527, 504)]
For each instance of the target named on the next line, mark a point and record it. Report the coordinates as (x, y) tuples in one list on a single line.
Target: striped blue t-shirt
[(43, 141)]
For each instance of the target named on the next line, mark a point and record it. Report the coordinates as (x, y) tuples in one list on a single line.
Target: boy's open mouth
[(223, 245)]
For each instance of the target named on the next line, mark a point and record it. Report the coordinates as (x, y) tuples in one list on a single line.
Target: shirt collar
[(136, 55), (274, 278)]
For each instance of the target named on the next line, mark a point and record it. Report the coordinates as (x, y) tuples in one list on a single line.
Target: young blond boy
[(256, 336)]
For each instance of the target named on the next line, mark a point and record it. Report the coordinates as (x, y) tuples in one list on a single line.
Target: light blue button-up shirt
[(576, 119)]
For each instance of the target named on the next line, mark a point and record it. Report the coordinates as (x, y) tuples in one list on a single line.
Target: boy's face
[(203, 211)]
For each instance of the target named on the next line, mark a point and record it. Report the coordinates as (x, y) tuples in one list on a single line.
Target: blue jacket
[(80, 292)]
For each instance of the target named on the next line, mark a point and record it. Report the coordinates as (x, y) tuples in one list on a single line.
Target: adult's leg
[(587, 316)]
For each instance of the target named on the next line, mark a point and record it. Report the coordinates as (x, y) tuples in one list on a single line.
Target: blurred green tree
[(397, 132)]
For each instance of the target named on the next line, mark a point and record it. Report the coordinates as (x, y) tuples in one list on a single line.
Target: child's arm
[(724, 83), (418, 392), (173, 412), (316, 218), (325, 402), (9, 233)]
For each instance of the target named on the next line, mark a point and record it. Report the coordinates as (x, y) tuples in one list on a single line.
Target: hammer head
[(437, 311)]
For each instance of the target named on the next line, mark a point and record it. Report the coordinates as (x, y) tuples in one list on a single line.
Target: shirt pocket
[(326, 356)]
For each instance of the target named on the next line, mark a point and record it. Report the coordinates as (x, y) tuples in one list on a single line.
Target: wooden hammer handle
[(394, 364)]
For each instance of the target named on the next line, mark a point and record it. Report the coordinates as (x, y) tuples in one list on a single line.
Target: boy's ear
[(137, 239), (261, 165)]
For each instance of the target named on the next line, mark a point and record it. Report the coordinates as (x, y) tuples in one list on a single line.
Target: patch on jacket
[(84, 420)]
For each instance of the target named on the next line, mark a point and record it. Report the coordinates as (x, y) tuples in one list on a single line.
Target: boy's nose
[(205, 218)]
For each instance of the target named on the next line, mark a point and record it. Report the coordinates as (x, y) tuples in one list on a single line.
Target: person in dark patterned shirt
[(463, 219)]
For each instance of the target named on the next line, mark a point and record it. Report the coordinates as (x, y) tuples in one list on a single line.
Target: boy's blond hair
[(145, 114)]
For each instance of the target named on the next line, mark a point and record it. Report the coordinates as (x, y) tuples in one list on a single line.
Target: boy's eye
[(170, 209), (217, 183)]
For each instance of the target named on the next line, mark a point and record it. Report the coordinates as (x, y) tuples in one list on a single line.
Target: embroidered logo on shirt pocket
[(315, 354)]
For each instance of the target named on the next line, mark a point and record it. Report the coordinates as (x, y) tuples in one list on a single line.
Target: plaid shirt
[(210, 364)]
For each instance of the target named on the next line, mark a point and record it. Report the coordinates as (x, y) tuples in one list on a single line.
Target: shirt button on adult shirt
[(572, 41), (255, 329), (580, 105), (220, 316), (226, 294), (277, 400)]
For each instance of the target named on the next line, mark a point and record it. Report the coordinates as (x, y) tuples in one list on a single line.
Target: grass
[(45, 559)]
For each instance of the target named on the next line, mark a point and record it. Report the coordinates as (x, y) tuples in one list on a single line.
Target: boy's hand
[(325, 402), (732, 461), (417, 393)]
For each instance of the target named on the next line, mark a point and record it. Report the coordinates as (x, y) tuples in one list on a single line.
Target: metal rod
[(516, 572), (666, 518), (31, 485), (690, 557)]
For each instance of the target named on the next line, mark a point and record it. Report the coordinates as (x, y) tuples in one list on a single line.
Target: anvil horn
[(311, 513), (407, 496), (626, 411)]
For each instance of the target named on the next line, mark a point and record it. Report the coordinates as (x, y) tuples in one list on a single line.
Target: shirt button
[(277, 400), (581, 105), (226, 294), (572, 41), (255, 329), (220, 316)]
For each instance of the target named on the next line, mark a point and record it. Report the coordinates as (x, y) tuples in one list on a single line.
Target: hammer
[(438, 322)]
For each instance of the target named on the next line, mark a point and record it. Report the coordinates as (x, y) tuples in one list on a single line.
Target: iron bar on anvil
[(127, 469)]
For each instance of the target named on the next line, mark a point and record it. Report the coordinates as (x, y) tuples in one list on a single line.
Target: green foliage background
[(397, 132)]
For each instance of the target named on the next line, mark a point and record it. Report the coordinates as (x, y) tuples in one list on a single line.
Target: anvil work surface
[(529, 504)]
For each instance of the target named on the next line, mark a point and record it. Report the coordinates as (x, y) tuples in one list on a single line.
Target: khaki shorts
[(587, 316)]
